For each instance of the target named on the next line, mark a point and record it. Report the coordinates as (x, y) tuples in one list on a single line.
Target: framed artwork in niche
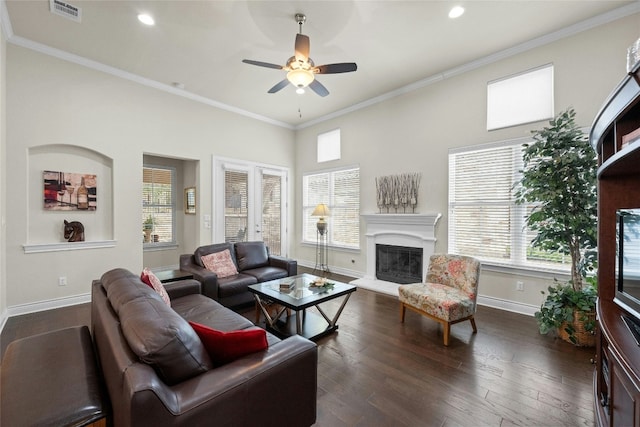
[(67, 191), (190, 200)]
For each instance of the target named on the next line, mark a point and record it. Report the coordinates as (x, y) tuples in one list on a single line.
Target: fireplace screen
[(398, 264)]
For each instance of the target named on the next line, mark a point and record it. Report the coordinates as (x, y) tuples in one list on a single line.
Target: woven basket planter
[(583, 337)]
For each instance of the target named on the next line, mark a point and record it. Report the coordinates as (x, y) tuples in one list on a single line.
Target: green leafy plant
[(148, 223), (559, 180), (558, 307)]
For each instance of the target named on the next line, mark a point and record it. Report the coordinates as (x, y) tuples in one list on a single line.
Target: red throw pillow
[(152, 280), (224, 347)]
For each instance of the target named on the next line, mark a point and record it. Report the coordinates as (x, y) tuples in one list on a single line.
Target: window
[(484, 220), (158, 205), (329, 146), (340, 191), (523, 98), (236, 210)]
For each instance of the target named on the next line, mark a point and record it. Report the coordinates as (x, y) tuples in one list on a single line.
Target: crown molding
[(605, 18), (7, 29), (571, 30), (5, 21)]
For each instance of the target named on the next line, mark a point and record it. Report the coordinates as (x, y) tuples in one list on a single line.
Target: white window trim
[(173, 244), (525, 97), (329, 146), (519, 264), (306, 218)]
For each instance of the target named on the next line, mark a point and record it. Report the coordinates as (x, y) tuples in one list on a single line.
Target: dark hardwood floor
[(376, 371)]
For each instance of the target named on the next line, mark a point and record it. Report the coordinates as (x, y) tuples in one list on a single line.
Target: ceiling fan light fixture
[(300, 78), (300, 91)]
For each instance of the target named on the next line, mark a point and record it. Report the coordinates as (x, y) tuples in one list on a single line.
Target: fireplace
[(399, 264), (403, 230)]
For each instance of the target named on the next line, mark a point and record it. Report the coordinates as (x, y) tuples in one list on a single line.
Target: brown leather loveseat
[(253, 263), (157, 372)]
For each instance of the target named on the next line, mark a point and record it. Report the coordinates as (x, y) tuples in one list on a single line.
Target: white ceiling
[(396, 44)]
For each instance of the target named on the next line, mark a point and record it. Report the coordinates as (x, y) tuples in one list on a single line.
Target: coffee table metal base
[(308, 325)]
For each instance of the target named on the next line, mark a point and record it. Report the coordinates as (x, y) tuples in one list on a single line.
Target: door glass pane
[(272, 213), (235, 206)]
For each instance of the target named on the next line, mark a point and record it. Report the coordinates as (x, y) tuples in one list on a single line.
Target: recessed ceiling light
[(456, 12), (146, 19)]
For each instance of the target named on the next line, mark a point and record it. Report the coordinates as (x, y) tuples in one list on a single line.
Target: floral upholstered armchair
[(449, 293)]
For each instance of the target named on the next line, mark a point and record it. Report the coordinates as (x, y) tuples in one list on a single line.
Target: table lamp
[(321, 210)]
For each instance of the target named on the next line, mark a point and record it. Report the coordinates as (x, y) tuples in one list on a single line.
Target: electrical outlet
[(62, 281), (520, 286)]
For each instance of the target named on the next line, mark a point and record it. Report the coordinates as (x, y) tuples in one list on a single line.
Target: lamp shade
[(300, 77), (321, 210)]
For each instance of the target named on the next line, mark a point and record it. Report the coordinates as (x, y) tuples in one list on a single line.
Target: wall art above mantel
[(398, 192)]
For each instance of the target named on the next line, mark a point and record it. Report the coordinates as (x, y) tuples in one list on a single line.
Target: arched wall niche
[(45, 227)]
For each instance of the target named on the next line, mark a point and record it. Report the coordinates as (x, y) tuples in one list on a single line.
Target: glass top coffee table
[(300, 297)]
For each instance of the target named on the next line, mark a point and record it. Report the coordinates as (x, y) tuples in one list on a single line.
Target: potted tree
[(559, 179)]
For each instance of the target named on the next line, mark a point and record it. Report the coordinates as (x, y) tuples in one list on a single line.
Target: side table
[(167, 276)]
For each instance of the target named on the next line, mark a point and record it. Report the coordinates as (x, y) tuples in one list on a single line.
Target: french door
[(250, 204)]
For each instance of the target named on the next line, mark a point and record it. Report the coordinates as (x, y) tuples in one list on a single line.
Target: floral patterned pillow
[(152, 280), (220, 263)]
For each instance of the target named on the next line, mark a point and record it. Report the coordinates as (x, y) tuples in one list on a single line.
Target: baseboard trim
[(17, 310), (487, 301), (337, 270), (3, 320), (20, 309), (507, 305)]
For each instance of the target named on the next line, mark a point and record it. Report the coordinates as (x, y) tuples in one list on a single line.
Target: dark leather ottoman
[(52, 379)]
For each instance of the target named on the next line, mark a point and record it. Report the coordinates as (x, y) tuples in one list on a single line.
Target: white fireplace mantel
[(413, 230)]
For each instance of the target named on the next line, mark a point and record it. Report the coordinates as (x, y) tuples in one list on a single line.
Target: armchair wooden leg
[(473, 325), (402, 310), (447, 329)]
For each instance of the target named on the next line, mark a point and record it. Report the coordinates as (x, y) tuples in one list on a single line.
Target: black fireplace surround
[(398, 264)]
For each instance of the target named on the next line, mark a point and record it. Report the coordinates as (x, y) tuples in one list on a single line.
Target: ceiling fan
[(300, 68)]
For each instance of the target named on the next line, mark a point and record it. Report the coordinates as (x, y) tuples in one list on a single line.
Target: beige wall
[(3, 180), (53, 103), (413, 133)]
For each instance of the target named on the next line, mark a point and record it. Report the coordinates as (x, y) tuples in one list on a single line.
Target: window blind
[(340, 191), (158, 202), (484, 220), (236, 209), (272, 212)]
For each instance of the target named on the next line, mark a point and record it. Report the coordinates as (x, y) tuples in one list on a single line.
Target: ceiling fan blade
[(302, 47), (343, 67), (263, 64), (318, 88), (279, 86)]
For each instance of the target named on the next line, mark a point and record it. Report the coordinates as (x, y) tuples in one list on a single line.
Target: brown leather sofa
[(157, 372), (254, 265)]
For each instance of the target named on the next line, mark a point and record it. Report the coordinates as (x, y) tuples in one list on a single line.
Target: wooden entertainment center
[(617, 375)]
